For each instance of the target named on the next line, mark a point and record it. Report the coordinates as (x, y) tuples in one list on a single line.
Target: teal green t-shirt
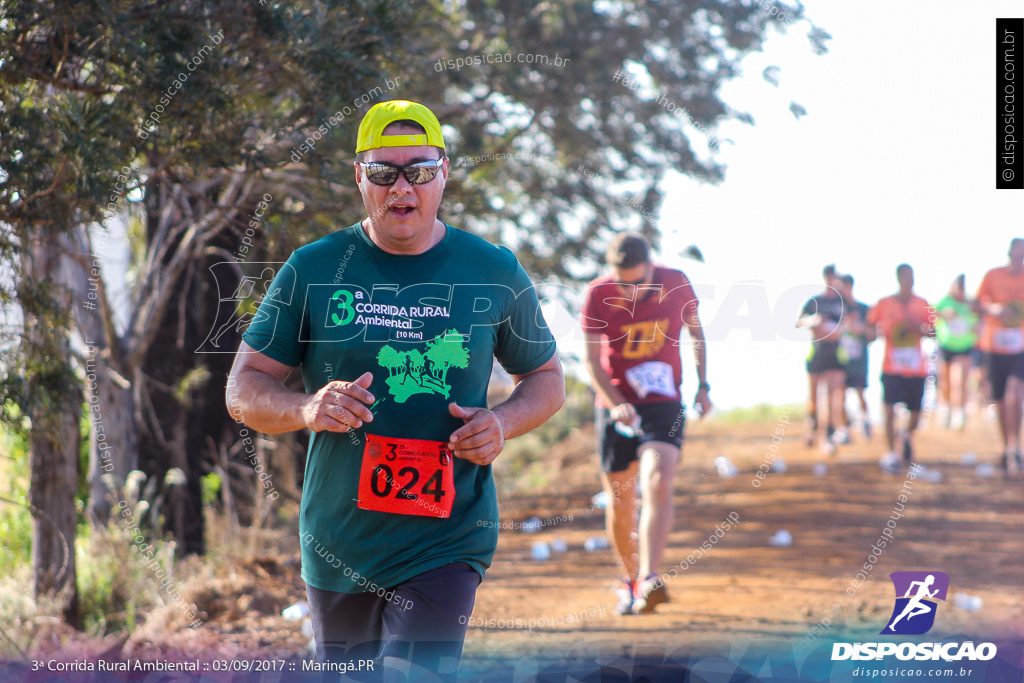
[(957, 333), (428, 326)]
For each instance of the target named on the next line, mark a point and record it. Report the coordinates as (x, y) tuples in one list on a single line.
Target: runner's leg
[(620, 516), (890, 426), (1011, 412), (658, 462)]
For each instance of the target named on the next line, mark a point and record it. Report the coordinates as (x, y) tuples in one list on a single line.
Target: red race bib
[(406, 477)]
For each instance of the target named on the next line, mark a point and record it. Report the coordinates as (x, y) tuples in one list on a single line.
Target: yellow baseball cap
[(380, 116)]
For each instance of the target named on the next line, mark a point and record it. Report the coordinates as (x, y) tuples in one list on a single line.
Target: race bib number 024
[(406, 477)]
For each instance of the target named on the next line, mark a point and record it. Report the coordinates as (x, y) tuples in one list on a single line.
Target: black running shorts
[(906, 390), (824, 356), (1001, 367), (948, 355), (661, 421), (422, 620)]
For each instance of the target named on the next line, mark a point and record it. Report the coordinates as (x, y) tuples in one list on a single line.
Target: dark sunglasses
[(383, 173)]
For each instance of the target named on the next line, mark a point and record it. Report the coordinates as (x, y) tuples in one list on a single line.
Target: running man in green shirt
[(399, 511), (956, 331)]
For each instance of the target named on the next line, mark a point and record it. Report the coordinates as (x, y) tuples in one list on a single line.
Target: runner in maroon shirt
[(633, 320)]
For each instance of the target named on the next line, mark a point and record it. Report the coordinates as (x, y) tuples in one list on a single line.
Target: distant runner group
[(980, 354), (395, 362)]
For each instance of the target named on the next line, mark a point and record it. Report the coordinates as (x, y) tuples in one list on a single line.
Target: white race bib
[(906, 358), (652, 377), (1008, 340), (852, 346), (958, 326)]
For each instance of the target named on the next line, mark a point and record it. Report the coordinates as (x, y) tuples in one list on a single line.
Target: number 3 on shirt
[(406, 477)]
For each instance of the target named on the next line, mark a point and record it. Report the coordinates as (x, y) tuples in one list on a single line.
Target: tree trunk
[(114, 433), (54, 439), (114, 442)]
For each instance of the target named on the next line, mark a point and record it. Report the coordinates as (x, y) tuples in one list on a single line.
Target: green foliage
[(210, 485), (15, 518), (116, 588), (762, 412)]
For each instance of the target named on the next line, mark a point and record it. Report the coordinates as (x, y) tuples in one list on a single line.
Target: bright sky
[(893, 162)]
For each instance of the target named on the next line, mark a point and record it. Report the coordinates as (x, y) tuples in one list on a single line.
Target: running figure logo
[(914, 613), (414, 372)]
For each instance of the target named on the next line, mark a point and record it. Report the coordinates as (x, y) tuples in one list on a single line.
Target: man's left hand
[(481, 439), (703, 403)]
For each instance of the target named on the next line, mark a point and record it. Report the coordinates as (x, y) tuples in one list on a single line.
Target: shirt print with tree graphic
[(414, 372)]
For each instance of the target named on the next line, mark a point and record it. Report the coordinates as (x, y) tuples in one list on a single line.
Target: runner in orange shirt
[(1001, 301), (904, 319)]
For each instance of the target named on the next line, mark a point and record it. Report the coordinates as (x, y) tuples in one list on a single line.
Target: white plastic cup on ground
[(595, 543), (969, 458), (820, 469), (970, 603), (540, 551), (600, 500), (725, 467), (985, 469), (299, 610), (781, 539), (558, 545), (532, 525)]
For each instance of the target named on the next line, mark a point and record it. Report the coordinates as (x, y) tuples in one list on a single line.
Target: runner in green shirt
[(396, 352), (956, 331)]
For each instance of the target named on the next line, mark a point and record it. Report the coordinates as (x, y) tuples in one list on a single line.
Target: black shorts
[(662, 421), (906, 390), (1001, 367), (948, 356), (423, 620), (824, 356), (857, 376)]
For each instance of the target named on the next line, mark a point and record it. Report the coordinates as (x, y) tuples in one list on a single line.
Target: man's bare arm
[(700, 358), (602, 382), (256, 395)]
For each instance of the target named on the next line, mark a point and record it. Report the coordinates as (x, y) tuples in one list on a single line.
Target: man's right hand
[(624, 413), (339, 406)]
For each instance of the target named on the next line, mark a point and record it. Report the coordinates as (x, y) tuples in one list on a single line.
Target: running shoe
[(624, 594), (889, 462), (812, 429), (840, 437), (908, 451), (648, 594), (867, 429), (1020, 460), (1007, 454)]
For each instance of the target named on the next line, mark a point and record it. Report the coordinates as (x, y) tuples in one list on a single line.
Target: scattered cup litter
[(725, 467), (971, 603), (781, 539), (969, 458), (540, 551), (985, 469), (595, 543), (532, 525), (779, 466), (558, 545), (930, 475), (299, 610), (600, 500), (820, 469)]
